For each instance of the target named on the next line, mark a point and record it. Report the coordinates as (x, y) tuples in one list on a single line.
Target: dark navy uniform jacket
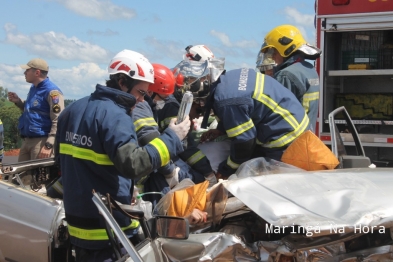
[(255, 109), (302, 79), (98, 149), (192, 155)]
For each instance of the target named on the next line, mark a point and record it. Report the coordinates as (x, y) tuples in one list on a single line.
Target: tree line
[(9, 115)]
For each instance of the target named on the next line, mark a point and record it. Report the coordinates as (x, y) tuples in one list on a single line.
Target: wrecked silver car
[(267, 211), (274, 212), (287, 214), (32, 225)]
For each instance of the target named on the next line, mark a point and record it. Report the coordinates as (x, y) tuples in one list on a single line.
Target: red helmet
[(164, 81), (179, 78)]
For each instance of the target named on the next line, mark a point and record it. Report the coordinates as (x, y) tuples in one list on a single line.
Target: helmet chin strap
[(160, 97), (156, 94)]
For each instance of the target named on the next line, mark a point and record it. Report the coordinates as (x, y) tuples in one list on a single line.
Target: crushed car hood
[(323, 202)]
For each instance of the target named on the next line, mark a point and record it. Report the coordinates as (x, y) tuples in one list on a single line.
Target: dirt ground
[(12, 152)]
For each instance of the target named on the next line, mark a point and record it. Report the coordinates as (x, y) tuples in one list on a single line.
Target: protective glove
[(212, 179), (173, 178), (181, 129)]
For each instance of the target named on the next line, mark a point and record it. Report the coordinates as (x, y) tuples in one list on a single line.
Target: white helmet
[(199, 53), (133, 64)]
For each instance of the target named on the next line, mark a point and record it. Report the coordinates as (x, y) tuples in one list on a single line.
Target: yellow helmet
[(285, 38)]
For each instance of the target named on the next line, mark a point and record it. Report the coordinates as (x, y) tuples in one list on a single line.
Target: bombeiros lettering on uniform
[(77, 139), (243, 79)]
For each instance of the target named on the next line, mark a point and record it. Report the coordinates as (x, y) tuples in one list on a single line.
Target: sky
[(78, 38)]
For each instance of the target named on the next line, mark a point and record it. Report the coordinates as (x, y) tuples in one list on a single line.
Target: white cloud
[(304, 22), (75, 83), (99, 9), (79, 81), (298, 18), (243, 49), (305, 34), (9, 27), (160, 49), (224, 38), (56, 45), (12, 78)]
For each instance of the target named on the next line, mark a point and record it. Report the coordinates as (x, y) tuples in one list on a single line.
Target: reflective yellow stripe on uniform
[(148, 121), (240, 129), (231, 163), (58, 187), (307, 98), (267, 101), (96, 234), (162, 150), (195, 158), (285, 114), (289, 137), (85, 154)]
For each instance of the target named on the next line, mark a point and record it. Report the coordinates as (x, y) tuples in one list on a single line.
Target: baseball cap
[(37, 63)]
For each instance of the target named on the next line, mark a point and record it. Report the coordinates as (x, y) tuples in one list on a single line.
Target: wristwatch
[(48, 145)]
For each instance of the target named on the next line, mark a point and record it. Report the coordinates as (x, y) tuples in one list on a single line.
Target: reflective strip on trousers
[(96, 234), (195, 158), (231, 163)]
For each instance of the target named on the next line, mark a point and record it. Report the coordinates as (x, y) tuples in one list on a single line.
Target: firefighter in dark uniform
[(192, 163), (287, 47), (260, 115), (168, 108), (97, 147)]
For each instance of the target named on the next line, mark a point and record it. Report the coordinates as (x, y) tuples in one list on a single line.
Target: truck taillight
[(340, 2)]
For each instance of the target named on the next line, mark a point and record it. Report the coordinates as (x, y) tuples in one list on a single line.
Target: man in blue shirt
[(40, 111)]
